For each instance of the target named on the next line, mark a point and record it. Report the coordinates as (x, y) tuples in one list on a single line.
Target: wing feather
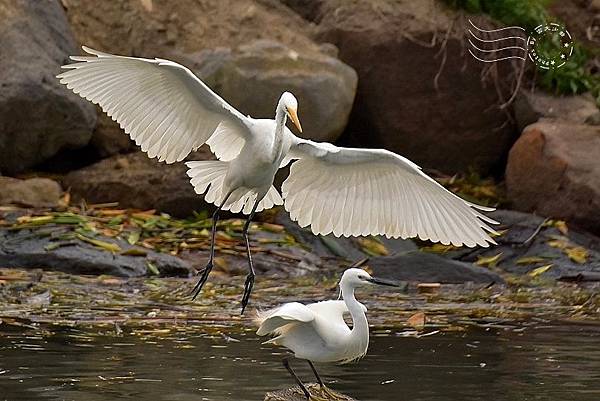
[(375, 192), (293, 312), (162, 105)]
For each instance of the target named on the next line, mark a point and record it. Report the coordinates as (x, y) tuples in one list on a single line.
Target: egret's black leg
[(204, 274), (286, 363), (249, 284), (319, 380)]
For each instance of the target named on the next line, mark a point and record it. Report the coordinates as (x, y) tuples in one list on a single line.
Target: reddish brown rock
[(553, 170)]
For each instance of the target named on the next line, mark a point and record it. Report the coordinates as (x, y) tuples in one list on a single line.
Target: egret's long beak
[(293, 113), (380, 281)]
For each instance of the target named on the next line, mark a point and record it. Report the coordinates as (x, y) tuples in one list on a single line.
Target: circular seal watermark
[(550, 46)]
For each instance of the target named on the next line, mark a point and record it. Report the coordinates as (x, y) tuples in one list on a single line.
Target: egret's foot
[(329, 394), (316, 393), (203, 277), (316, 397), (247, 290)]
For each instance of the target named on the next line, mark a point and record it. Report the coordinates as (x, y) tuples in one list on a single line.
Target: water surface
[(554, 362)]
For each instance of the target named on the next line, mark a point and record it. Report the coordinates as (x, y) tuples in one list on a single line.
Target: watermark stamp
[(549, 46)]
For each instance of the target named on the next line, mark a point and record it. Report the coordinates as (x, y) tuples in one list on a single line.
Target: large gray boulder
[(399, 50), (38, 116), (553, 170), (253, 77)]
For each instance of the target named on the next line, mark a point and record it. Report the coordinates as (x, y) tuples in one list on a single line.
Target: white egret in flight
[(317, 332), (169, 113)]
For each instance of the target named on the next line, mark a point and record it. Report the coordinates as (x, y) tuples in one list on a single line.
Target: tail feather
[(208, 178)]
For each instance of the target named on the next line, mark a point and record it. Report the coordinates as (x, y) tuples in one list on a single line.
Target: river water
[(543, 362)]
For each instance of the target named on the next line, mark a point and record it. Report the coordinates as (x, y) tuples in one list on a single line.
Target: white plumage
[(317, 332), (169, 112)]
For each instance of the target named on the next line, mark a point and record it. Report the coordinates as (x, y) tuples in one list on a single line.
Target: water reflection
[(559, 363)]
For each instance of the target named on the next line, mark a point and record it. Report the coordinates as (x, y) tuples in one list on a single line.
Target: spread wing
[(162, 105), (292, 312), (353, 192)]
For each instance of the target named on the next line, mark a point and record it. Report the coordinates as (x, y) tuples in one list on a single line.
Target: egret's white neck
[(280, 119), (360, 326)]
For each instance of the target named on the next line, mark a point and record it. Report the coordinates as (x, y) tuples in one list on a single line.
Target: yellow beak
[(294, 117)]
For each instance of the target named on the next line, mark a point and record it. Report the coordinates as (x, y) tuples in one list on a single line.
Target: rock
[(178, 30), (420, 266), (109, 139), (135, 181), (184, 26), (398, 106), (34, 192), (24, 249), (296, 394), (529, 107), (38, 115), (582, 18), (348, 248), (553, 170), (527, 245), (253, 77)]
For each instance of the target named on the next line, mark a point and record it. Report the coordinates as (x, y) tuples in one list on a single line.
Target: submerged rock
[(38, 115)]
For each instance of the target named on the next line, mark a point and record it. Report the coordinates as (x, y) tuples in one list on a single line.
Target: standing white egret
[(169, 112), (317, 332)]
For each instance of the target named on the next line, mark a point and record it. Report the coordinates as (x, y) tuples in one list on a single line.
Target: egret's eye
[(362, 277)]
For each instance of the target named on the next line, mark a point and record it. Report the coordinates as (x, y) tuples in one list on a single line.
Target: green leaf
[(152, 268), (108, 246), (489, 261), (133, 237), (134, 252), (530, 260), (542, 269)]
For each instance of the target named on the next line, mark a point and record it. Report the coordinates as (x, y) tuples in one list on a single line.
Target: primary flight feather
[(169, 113)]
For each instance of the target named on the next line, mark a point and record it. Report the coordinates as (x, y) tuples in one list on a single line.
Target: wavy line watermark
[(549, 46)]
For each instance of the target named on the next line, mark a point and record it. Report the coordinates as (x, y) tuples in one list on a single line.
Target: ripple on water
[(553, 363)]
